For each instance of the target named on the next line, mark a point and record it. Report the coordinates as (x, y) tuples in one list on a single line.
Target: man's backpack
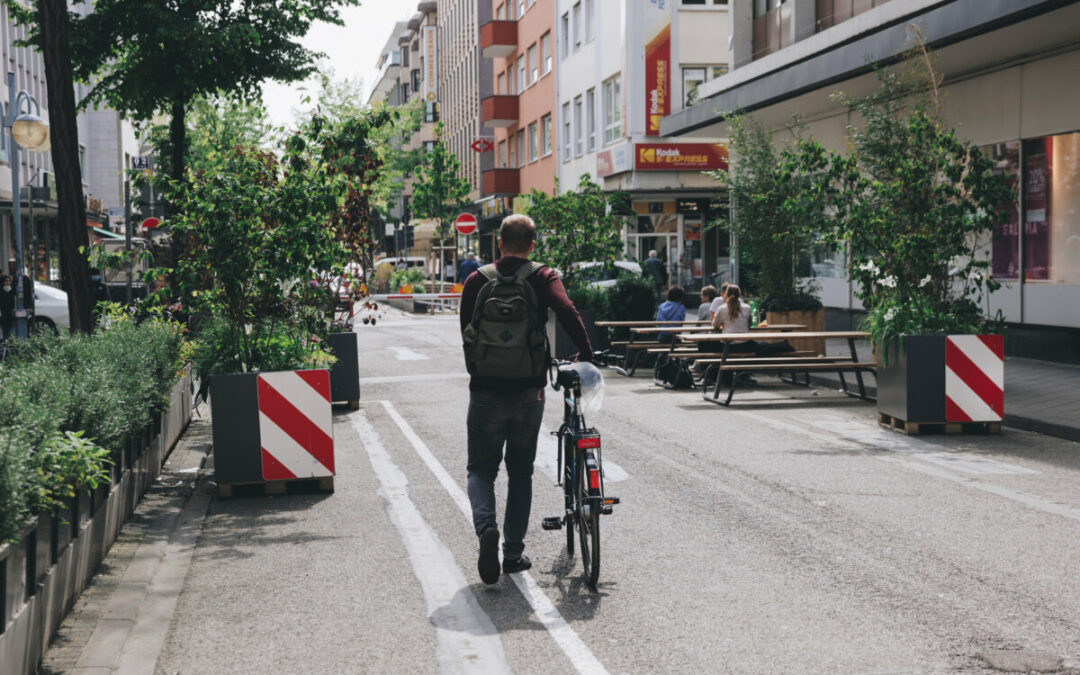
[(506, 337)]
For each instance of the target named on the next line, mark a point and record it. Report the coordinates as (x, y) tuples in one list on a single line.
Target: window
[(545, 52), (534, 142), (510, 80), (717, 71), (565, 35), (502, 154), (429, 146), (510, 10), (590, 120), (692, 78), (579, 128), (545, 135), (500, 13), (513, 153), (521, 74), (590, 12), (577, 26), (566, 132), (521, 8), (612, 110), (521, 147), (500, 84), (82, 158), (534, 64), (1051, 201)]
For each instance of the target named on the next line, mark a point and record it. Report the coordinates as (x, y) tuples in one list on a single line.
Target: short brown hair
[(709, 292), (517, 233)]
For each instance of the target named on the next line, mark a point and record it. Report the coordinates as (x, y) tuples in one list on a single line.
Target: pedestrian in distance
[(467, 266), (704, 310), (671, 310), (7, 306), (503, 317), (656, 270)]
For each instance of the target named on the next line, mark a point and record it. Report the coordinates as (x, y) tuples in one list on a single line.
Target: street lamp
[(28, 130)]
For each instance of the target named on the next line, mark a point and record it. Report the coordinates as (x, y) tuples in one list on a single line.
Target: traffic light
[(409, 243)]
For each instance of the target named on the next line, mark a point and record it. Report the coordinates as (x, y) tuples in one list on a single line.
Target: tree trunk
[(177, 140), (71, 219)]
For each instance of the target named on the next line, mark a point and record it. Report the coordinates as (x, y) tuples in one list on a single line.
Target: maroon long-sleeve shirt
[(550, 293)]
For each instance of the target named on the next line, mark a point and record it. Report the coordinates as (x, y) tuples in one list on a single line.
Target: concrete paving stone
[(103, 646)]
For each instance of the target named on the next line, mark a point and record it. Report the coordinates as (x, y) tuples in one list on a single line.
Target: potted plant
[(267, 241), (915, 206)]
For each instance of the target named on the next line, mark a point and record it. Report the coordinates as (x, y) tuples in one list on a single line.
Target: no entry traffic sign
[(465, 223)]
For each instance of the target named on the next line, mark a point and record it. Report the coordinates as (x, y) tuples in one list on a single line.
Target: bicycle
[(581, 475)]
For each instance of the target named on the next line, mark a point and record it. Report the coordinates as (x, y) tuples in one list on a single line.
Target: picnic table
[(779, 365)]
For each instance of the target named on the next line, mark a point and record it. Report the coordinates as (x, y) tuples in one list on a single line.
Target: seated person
[(704, 310), (732, 316), (718, 300), (671, 310)]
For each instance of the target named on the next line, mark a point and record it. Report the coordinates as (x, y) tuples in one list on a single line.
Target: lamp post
[(29, 131)]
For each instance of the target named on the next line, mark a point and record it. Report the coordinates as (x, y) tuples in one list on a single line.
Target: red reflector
[(594, 479), (591, 442)]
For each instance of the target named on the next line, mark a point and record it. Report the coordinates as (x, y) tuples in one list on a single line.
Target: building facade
[(621, 67), (1002, 63)]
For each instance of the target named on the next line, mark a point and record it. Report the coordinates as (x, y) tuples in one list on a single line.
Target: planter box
[(345, 374), (43, 573), (562, 347), (943, 378), (272, 426), (814, 320)]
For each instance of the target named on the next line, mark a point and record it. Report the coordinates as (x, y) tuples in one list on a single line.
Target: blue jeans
[(498, 420)]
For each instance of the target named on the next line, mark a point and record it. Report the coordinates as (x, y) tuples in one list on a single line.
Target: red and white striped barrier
[(974, 378), (296, 429)]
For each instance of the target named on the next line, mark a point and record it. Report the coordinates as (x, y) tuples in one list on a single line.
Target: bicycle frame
[(577, 430)]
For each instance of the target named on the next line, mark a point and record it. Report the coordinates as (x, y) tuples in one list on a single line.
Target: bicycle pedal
[(611, 500), (552, 523)]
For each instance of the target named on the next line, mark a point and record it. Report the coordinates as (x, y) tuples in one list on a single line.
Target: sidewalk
[(1040, 396)]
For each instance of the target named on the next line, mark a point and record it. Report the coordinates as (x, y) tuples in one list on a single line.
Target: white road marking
[(406, 354), (467, 640), (547, 459), (413, 378), (1032, 501), (580, 655)]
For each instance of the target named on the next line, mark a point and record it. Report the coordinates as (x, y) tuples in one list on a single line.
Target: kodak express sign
[(680, 156)]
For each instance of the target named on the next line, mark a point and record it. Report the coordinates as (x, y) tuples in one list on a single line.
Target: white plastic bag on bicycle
[(592, 386)]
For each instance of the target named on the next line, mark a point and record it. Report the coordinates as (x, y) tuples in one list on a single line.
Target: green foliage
[(272, 345), (594, 298), (630, 299), (412, 275), (58, 393), (776, 212), (440, 193), (915, 205), (576, 226)]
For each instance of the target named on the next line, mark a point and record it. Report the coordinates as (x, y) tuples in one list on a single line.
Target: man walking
[(657, 271), (503, 325), (467, 267)]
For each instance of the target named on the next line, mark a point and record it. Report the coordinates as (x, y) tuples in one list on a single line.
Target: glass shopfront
[(682, 235)]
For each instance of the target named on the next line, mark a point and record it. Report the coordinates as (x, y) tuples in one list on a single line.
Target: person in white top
[(718, 300), (733, 316)]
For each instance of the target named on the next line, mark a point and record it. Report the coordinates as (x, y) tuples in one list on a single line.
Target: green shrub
[(589, 297), (412, 275), (630, 299)]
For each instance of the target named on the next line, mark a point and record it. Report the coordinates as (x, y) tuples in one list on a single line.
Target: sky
[(352, 51)]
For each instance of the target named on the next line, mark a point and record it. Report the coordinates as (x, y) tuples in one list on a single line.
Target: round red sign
[(151, 223), (465, 223)]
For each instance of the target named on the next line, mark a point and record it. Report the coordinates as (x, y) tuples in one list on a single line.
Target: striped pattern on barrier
[(974, 378), (295, 424)]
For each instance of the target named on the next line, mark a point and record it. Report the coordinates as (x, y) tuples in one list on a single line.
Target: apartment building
[(621, 67), (1003, 62), (106, 143)]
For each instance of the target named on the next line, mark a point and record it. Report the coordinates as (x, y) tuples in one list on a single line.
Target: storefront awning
[(106, 234)]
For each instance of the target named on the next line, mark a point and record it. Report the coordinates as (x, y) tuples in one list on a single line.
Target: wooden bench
[(781, 365)]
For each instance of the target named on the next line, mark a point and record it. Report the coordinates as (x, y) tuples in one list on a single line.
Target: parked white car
[(600, 276), (50, 308)]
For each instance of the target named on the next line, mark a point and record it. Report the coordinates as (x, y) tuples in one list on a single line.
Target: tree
[(50, 33), (776, 212), (581, 226), (148, 58), (440, 193)]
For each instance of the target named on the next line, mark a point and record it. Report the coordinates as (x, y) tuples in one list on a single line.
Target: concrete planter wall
[(272, 426), (943, 378), (345, 373), (42, 575)]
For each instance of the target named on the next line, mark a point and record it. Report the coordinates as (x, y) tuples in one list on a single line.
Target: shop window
[(1051, 209), (1005, 247)]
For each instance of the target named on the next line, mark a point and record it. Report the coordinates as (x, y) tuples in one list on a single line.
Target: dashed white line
[(467, 640), (580, 655)]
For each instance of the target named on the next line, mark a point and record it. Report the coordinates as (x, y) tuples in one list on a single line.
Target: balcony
[(498, 39), (502, 181), (499, 111)]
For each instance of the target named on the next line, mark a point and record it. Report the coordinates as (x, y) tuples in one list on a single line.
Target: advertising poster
[(1036, 211), (680, 156), (657, 18)]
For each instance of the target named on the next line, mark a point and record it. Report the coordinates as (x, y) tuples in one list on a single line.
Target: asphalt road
[(787, 534)]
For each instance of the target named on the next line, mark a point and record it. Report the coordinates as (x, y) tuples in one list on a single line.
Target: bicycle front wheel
[(588, 523)]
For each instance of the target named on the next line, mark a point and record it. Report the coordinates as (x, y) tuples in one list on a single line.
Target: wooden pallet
[(918, 428), (275, 487)]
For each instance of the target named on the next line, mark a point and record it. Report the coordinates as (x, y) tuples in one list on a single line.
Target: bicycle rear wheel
[(588, 522), (569, 485)]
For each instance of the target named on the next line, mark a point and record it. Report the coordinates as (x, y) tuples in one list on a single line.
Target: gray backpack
[(506, 337)]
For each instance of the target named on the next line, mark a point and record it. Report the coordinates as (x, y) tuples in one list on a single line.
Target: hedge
[(69, 403)]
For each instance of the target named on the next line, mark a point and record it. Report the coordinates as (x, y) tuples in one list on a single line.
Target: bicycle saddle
[(568, 378)]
